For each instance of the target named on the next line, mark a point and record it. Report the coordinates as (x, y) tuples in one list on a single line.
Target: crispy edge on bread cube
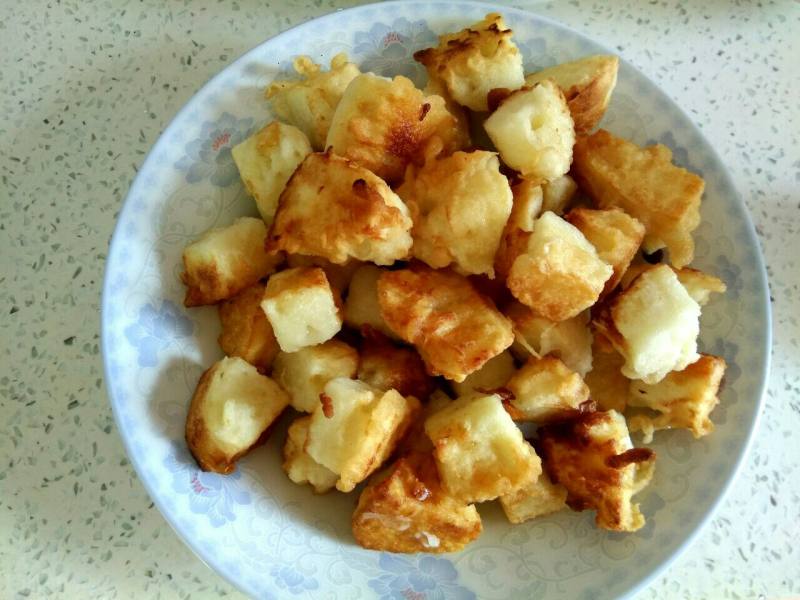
[(304, 373), (645, 184), (480, 452), (405, 509), (653, 324), (608, 387), (231, 409), (593, 457), (698, 284), (339, 276), (587, 84), (559, 274), (335, 209), (454, 328), (361, 306), (266, 160), (388, 367), (297, 463), (494, 374), (437, 87), (538, 498), (615, 235), (356, 428), (224, 261), (246, 331), (545, 390), (558, 194), (302, 308), (474, 61), (532, 129), (309, 102), (684, 399), (526, 208)]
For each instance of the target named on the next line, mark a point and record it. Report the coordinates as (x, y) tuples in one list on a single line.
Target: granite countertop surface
[(85, 90)]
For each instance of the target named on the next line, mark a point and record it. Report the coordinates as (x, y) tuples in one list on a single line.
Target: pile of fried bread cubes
[(436, 271)]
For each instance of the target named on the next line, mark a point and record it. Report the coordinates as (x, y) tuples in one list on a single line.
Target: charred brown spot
[(506, 395), (423, 110), (634, 455), (403, 139), (496, 96), (327, 405)]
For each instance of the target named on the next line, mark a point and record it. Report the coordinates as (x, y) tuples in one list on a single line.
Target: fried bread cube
[(685, 398), (460, 205), (405, 509), (532, 129), (645, 184), (302, 308), (339, 276), (304, 373), (266, 160), (558, 193), (593, 457), (653, 324), (309, 102), (474, 61), (587, 84), (545, 390), (526, 208), (437, 87), (226, 260), (494, 374), (480, 452), (540, 497), (361, 307), (231, 409), (454, 328), (608, 387), (615, 235), (298, 465), (559, 274), (698, 284), (384, 124), (356, 427), (246, 332), (335, 209), (388, 367)]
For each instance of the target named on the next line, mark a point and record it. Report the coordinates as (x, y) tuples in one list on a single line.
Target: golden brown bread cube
[(309, 102), (302, 308), (437, 87), (653, 324), (540, 497), (645, 184), (246, 332), (384, 124), (266, 160), (388, 367), (526, 208), (545, 390), (494, 374), (558, 194), (587, 84), (304, 373), (231, 409), (593, 457), (608, 387), (480, 452), (298, 465), (361, 307), (356, 428), (339, 276), (335, 209), (615, 235), (474, 61), (459, 205), (684, 399), (559, 274), (405, 509), (226, 260), (454, 328)]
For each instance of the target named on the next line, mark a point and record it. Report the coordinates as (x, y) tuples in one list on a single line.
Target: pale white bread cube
[(558, 193), (480, 452), (608, 387), (226, 260), (334, 209), (231, 409), (298, 465), (304, 373), (559, 274), (653, 324), (246, 332), (545, 390), (698, 284), (266, 160), (540, 497), (532, 129), (302, 308), (460, 205), (356, 428), (310, 101), (684, 399), (593, 458), (361, 306), (389, 367), (494, 374), (339, 276), (474, 61)]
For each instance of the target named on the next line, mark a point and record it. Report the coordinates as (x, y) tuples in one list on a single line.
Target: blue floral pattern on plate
[(155, 329), (209, 155), (389, 48), (418, 578)]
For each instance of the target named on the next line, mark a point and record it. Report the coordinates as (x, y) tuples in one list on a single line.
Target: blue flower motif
[(210, 154), (535, 54), (731, 274), (289, 578), (429, 578), (386, 48), (155, 329)]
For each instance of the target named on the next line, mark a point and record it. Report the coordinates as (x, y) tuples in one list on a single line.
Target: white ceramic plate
[(273, 539)]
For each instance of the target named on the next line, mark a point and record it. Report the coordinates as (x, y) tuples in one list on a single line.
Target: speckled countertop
[(86, 88)]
